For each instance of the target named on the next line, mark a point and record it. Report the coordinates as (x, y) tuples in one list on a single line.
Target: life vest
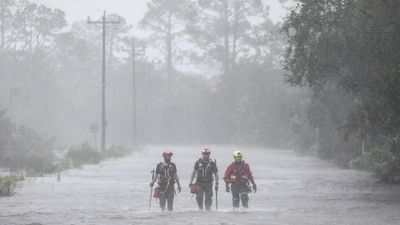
[(239, 174), (166, 173), (205, 169)]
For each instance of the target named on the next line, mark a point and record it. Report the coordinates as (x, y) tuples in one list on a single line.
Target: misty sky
[(131, 10)]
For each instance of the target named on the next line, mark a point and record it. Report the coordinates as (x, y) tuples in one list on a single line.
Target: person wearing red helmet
[(204, 169), (166, 174)]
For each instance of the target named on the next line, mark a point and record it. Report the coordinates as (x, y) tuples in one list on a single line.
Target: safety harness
[(239, 174), (167, 175)]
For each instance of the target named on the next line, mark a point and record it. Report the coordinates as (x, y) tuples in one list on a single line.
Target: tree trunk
[(234, 34), (169, 52), (226, 39)]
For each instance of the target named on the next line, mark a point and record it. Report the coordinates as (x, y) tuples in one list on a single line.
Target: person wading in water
[(204, 169), (166, 174), (238, 176)]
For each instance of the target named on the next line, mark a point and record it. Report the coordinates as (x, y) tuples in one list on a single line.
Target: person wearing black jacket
[(205, 170), (166, 174)]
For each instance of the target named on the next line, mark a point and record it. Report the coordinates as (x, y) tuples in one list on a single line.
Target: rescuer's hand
[(254, 188), (227, 188)]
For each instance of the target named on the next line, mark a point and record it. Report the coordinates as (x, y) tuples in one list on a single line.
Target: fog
[(312, 84), (53, 78)]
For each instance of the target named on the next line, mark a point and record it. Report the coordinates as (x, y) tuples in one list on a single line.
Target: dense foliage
[(24, 148), (348, 53)]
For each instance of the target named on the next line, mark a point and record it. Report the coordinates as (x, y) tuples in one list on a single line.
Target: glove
[(179, 189), (254, 188), (216, 187), (151, 184), (227, 188)]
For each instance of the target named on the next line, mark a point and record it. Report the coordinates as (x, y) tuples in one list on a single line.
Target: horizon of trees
[(52, 78), (347, 53), (326, 80)]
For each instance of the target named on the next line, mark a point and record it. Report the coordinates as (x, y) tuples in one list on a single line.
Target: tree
[(168, 21), (7, 129), (30, 44), (353, 47), (222, 28), (35, 27)]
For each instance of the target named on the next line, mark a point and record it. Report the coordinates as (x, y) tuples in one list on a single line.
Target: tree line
[(347, 53), (231, 91), (213, 72)]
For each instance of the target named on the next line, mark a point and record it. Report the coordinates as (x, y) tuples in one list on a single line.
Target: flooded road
[(292, 190)]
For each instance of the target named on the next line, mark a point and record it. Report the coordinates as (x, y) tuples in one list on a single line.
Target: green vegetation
[(23, 148), (8, 184), (348, 54), (86, 154), (384, 164)]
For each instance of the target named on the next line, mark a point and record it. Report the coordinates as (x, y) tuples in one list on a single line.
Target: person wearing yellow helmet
[(237, 178), (237, 154)]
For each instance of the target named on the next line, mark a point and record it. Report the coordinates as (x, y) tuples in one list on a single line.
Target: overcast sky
[(131, 10)]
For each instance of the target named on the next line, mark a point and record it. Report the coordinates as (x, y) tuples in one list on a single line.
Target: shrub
[(31, 151), (83, 154), (8, 184), (382, 163)]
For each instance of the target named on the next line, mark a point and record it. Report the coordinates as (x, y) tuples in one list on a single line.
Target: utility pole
[(134, 125), (317, 140), (103, 80), (133, 52), (134, 100)]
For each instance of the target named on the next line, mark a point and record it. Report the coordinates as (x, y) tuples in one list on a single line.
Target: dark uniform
[(166, 179), (204, 180)]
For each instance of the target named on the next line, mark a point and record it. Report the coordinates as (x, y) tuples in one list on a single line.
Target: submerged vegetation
[(86, 154), (8, 184), (25, 151)]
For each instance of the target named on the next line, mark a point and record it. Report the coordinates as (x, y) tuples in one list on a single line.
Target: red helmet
[(167, 153), (206, 151)]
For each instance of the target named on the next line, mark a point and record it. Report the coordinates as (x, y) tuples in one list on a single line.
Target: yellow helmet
[(237, 154)]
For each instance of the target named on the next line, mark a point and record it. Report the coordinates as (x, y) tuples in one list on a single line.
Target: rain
[(199, 112)]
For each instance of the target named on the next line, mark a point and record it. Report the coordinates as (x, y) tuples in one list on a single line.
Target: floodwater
[(292, 190)]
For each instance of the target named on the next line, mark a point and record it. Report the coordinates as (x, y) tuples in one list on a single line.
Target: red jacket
[(238, 173)]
